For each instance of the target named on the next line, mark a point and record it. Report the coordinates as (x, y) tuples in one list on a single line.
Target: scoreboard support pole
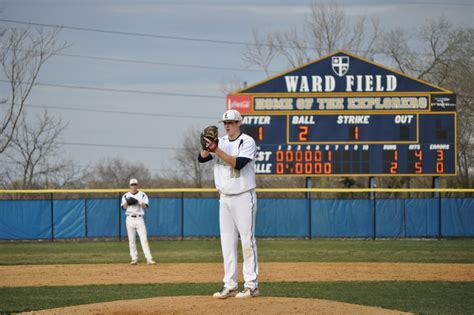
[(309, 184), (372, 197), (437, 195)]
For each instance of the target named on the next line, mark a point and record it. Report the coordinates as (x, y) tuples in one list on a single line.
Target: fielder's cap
[(231, 115), (133, 181)]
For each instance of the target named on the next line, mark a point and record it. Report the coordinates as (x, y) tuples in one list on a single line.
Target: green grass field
[(425, 251), (420, 297)]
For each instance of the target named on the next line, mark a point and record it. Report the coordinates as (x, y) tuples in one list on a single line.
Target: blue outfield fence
[(199, 217)]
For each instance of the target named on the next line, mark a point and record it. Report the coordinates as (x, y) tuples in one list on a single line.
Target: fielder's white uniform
[(237, 209), (136, 224)]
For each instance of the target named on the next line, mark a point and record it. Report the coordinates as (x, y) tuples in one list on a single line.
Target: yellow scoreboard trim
[(428, 95)]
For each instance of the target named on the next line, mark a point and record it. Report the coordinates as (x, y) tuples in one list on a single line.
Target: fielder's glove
[(209, 138), (131, 201)]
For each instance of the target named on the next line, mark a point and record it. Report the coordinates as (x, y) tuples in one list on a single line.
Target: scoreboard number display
[(342, 115)]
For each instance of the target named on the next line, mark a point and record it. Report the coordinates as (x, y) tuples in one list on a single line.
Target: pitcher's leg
[(245, 212), (229, 239)]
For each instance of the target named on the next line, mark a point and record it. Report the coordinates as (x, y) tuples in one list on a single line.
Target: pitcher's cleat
[(151, 262), (133, 262), (224, 293), (248, 293)]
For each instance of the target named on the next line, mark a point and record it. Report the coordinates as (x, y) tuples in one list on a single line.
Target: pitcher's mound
[(209, 305)]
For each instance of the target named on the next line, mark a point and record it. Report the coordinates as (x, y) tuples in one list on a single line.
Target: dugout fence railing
[(184, 216)]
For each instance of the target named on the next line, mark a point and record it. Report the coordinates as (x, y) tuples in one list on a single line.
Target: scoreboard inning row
[(354, 144)]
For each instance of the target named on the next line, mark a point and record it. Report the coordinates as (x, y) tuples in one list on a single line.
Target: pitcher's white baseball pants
[(237, 217), (134, 226)]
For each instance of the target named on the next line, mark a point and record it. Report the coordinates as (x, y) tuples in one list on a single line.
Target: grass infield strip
[(419, 297), (202, 251)]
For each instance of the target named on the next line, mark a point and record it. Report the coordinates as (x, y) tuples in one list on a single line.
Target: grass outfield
[(430, 297), (423, 251)]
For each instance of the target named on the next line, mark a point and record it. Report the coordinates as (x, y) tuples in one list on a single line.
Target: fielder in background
[(134, 202), (234, 175)]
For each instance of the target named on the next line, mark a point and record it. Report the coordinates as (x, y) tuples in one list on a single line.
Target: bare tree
[(194, 173), (262, 53), (68, 175), (33, 155), (229, 85), (115, 173), (461, 80), (396, 45), (291, 47), (327, 28), (429, 54), (23, 52)]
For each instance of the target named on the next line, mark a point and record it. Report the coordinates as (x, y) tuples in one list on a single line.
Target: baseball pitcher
[(234, 175)]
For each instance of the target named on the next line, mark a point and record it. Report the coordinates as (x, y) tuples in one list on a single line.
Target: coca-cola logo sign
[(242, 103)]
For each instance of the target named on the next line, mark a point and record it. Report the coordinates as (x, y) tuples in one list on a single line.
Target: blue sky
[(215, 20)]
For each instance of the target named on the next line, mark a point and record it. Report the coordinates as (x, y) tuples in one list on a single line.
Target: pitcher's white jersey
[(228, 180)]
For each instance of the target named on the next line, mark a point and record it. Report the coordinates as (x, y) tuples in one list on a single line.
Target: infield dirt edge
[(103, 274), (209, 305)]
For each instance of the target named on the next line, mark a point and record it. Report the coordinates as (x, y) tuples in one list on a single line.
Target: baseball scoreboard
[(345, 116)]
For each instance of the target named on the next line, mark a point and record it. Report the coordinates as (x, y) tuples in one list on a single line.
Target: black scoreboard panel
[(365, 144)]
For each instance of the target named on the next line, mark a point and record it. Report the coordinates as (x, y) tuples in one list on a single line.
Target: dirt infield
[(208, 305), (58, 275)]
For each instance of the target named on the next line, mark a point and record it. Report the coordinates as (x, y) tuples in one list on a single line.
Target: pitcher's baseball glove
[(131, 201), (209, 138)]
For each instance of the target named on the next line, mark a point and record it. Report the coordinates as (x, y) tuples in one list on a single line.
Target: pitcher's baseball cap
[(231, 115), (133, 181)]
